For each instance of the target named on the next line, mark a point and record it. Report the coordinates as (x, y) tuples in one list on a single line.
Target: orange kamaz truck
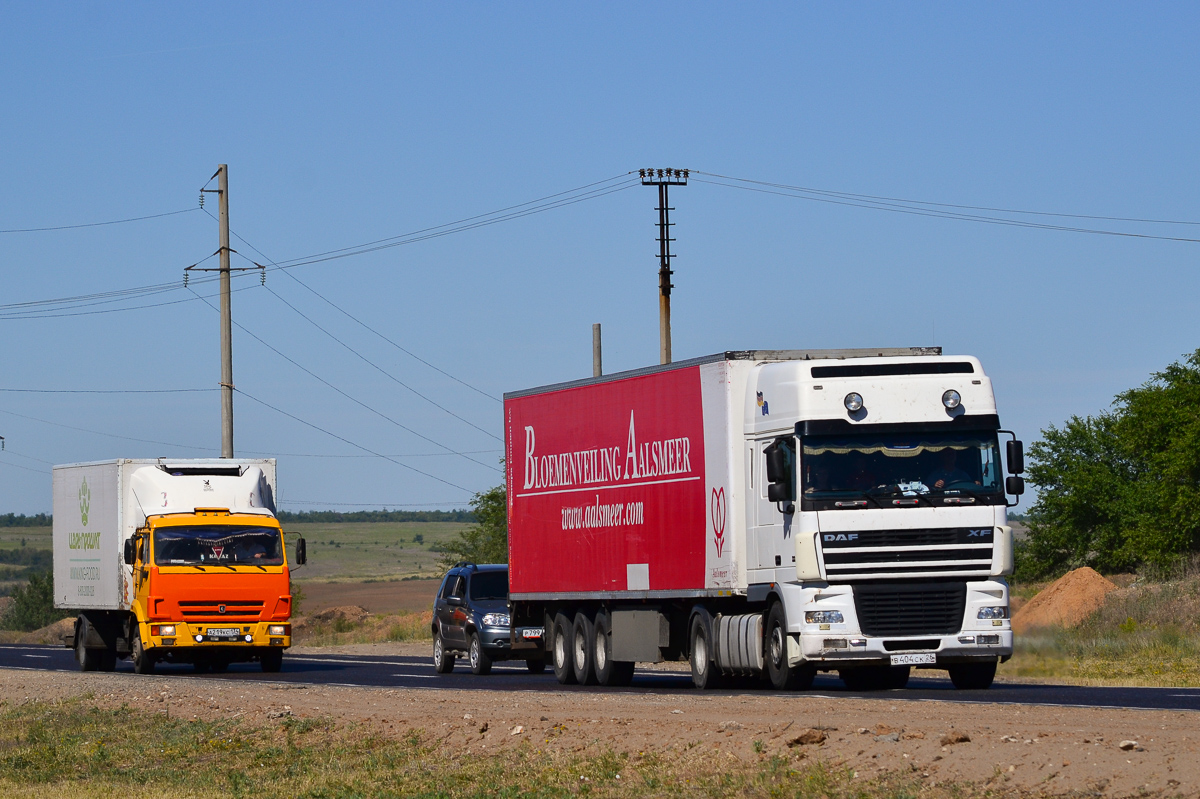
[(172, 561)]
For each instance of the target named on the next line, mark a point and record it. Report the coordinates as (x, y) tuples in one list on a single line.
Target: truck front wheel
[(143, 661), (783, 676), (564, 670), (272, 661), (975, 676)]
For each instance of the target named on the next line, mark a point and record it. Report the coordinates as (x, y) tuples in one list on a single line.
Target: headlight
[(496, 620), (951, 399), (277, 629), (853, 402), (993, 613), (162, 629), (823, 617)]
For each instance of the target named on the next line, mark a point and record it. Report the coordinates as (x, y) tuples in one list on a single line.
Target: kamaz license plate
[(533, 632), (223, 632), (917, 659)]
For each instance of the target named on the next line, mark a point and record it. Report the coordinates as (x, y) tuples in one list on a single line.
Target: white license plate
[(922, 658), (224, 632), (533, 632)]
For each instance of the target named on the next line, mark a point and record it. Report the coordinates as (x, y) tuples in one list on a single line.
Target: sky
[(347, 124)]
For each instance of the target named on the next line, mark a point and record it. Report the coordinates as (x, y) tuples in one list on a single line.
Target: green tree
[(33, 605), (1121, 489), (486, 542)]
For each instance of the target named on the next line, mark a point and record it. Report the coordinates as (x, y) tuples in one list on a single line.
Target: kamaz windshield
[(898, 464), (218, 545)]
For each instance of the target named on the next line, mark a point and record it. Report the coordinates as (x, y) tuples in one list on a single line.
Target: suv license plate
[(533, 632), (914, 660), (224, 632)]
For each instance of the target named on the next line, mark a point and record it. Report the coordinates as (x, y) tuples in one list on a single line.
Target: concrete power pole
[(226, 320), (597, 360), (662, 178)]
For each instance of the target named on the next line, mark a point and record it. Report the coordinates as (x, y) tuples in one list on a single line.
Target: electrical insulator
[(202, 199)]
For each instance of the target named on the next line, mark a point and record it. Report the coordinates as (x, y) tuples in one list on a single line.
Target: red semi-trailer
[(678, 511)]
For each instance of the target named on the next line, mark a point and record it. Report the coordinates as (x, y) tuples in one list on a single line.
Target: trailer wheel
[(784, 677), (561, 651), (704, 671), (608, 671), (443, 661), (977, 676), (481, 664), (143, 661), (583, 653)]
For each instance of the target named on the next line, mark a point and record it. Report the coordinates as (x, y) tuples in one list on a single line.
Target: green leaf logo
[(85, 501)]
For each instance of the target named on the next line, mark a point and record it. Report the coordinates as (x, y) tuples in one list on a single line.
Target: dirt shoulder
[(1010, 748)]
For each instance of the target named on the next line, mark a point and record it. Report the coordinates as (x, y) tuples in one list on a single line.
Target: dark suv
[(470, 616)]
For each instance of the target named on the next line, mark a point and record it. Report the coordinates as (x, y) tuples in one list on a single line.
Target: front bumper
[(192, 635)]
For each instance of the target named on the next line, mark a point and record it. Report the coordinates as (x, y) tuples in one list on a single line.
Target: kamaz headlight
[(496, 620), (277, 629), (951, 399), (823, 617), (854, 402), (162, 629), (993, 613)]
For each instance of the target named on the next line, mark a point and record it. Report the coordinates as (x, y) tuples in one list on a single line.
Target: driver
[(947, 471)]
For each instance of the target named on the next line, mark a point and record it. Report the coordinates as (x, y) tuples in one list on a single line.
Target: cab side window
[(447, 585), (459, 588)]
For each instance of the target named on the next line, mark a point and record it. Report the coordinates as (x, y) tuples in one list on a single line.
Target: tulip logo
[(717, 510), (85, 502)]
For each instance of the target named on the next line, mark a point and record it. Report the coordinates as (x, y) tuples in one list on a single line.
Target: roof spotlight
[(854, 402), (951, 399)]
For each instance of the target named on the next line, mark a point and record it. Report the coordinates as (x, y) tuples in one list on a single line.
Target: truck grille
[(893, 609), (882, 554), (233, 609)]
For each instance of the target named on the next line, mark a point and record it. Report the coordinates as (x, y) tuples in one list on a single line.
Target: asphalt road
[(417, 672)]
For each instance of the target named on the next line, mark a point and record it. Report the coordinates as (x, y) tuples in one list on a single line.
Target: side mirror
[(777, 465), (301, 552), (1015, 485), (1016, 458), (778, 492), (130, 551)]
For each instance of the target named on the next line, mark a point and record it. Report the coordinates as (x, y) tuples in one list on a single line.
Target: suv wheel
[(443, 661), (481, 663)]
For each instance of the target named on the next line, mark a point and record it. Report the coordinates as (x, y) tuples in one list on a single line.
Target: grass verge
[(71, 749)]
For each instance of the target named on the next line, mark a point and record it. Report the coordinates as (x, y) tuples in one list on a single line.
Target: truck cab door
[(769, 528)]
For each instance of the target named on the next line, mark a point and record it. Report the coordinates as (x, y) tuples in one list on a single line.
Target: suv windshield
[(489, 585), (900, 464), (217, 545)]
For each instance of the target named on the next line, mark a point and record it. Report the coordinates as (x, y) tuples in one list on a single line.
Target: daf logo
[(978, 533), (220, 608), (842, 537)]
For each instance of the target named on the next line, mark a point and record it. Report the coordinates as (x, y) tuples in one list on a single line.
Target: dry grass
[(373, 630)]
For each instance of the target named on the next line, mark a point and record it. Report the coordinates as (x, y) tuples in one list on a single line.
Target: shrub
[(32, 605)]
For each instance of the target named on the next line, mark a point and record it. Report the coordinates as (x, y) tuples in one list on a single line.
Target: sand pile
[(1066, 602), (355, 614)]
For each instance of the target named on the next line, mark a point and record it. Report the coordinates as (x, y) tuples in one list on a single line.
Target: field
[(22, 550)]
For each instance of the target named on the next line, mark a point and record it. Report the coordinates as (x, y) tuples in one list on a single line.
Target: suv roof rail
[(464, 563)]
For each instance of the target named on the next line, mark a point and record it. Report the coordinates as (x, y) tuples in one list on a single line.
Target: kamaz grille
[(220, 609), (883, 554), (894, 609)]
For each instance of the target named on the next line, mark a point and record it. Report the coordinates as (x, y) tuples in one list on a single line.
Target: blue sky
[(347, 124)]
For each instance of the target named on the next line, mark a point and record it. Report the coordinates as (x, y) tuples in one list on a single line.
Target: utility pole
[(662, 178), (597, 363), (222, 191)]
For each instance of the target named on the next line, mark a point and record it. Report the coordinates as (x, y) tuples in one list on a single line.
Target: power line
[(381, 370), (348, 441), (356, 401), (99, 224), (19, 466), (896, 207), (53, 315), (383, 505), (109, 435), (363, 324), (105, 391), (413, 455), (952, 205)]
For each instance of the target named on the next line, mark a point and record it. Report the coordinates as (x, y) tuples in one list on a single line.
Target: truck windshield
[(217, 545), (489, 585), (892, 464)]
